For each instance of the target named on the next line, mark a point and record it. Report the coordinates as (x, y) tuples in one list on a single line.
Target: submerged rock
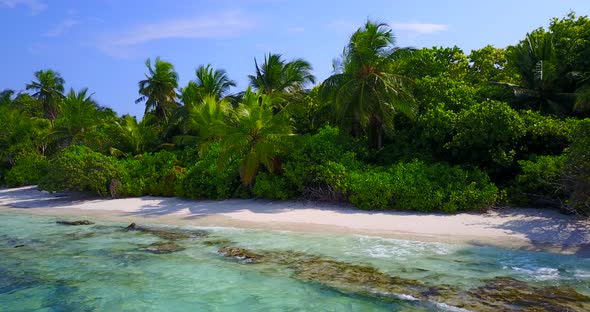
[(171, 234), (498, 294), (78, 222), (241, 253), (162, 247), (77, 236), (218, 242), (509, 294)]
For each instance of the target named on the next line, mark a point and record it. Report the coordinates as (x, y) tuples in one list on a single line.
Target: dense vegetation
[(429, 129)]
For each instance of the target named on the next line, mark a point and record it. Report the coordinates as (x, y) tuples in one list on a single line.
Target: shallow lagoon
[(102, 268)]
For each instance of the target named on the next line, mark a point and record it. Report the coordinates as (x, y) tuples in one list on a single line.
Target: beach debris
[(77, 222), (169, 234), (162, 247)]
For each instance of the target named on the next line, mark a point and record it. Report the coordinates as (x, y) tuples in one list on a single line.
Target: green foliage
[(485, 133), (370, 189), (206, 180), (305, 165), (272, 186), (78, 168), (366, 90), (415, 186), (433, 62), (541, 181), (451, 94), (151, 174), (577, 169), (29, 169)]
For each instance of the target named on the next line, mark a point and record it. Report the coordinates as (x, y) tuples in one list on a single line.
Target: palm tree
[(133, 137), (365, 92), (252, 134), (49, 89), (210, 85), (158, 90), (6, 97), (542, 86), (277, 76), (211, 82), (80, 115), (203, 120)]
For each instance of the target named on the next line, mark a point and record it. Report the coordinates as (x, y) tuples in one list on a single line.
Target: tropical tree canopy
[(158, 90), (253, 134), (364, 89), (212, 82), (48, 88), (277, 75)]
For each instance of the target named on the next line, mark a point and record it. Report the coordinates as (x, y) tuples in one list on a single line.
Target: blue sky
[(103, 44)]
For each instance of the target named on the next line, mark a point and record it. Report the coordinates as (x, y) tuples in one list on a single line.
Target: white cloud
[(61, 28), (420, 28), (217, 26), (36, 6)]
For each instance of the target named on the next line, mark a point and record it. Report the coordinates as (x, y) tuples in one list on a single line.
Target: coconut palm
[(253, 134), (366, 93), (212, 82), (543, 86), (210, 86), (130, 136), (6, 97), (158, 90), (276, 75), (49, 89), (80, 115), (203, 119)]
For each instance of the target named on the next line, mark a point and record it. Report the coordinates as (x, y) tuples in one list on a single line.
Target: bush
[(577, 169), (303, 167), (206, 180), (540, 181), (370, 190), (153, 174), (28, 170), (272, 186), (414, 186), (78, 168)]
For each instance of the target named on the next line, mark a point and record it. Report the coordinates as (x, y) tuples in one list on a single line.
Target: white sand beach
[(531, 229)]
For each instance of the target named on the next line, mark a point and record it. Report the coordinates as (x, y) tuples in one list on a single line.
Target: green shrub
[(206, 180), (370, 189), (272, 186), (78, 168), (417, 186), (28, 170), (153, 174), (577, 169), (304, 165), (540, 181)]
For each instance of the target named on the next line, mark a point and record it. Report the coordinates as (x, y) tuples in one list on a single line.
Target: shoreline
[(512, 228)]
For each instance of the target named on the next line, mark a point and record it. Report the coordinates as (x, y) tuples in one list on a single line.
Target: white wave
[(540, 274), (448, 307)]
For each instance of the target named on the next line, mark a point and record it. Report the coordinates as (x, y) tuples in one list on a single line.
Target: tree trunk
[(375, 133)]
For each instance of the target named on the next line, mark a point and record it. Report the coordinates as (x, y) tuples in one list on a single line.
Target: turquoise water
[(101, 268)]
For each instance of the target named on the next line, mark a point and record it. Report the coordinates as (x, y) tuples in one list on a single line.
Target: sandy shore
[(531, 229)]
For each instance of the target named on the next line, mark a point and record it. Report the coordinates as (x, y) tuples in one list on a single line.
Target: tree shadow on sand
[(548, 229)]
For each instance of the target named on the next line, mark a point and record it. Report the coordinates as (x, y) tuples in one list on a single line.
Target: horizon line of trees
[(505, 123)]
